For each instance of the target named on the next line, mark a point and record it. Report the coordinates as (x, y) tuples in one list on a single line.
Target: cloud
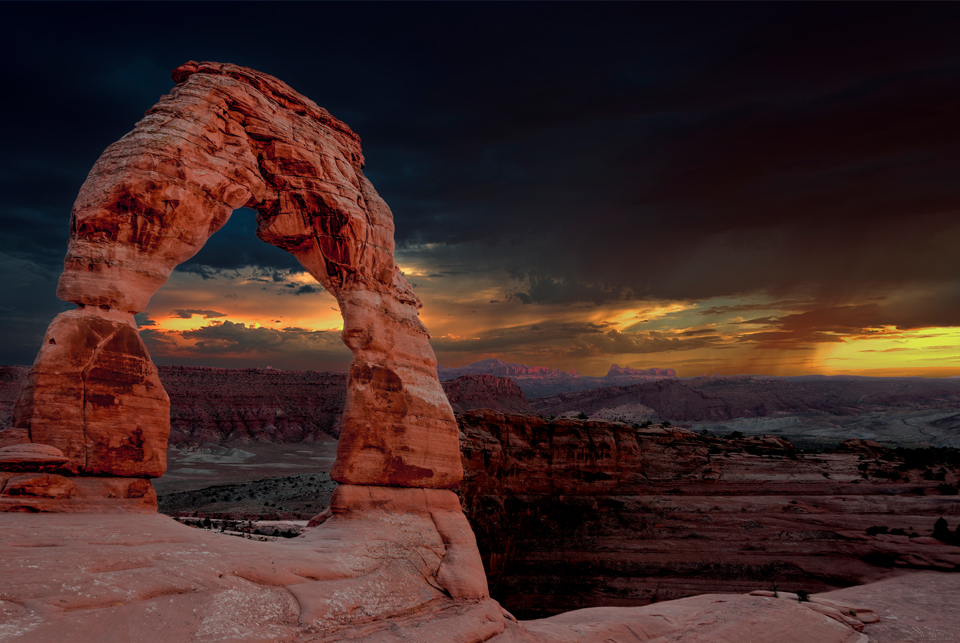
[(143, 320), (230, 343), (187, 313), (302, 289), (570, 341)]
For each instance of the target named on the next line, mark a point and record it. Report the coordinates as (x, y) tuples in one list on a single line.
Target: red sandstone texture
[(92, 419), (471, 392), (598, 513)]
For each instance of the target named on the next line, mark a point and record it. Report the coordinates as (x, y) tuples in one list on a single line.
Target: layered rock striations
[(599, 513), (229, 405), (216, 405)]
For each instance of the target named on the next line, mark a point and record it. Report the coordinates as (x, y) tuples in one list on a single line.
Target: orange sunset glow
[(249, 318)]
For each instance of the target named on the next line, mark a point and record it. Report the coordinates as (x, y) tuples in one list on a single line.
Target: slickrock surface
[(571, 514), (226, 137), (138, 579), (912, 608)]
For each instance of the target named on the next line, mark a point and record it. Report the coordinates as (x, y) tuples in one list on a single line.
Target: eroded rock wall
[(597, 513)]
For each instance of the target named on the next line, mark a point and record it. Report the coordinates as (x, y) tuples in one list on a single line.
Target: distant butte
[(85, 556)]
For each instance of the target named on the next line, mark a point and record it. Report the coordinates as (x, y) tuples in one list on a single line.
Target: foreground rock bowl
[(363, 576)]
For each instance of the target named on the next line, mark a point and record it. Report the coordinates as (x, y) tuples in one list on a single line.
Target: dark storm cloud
[(301, 289), (143, 319), (837, 323), (789, 304), (615, 151), (571, 340), (187, 313)]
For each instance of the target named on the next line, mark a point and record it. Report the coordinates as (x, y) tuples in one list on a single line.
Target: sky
[(768, 188)]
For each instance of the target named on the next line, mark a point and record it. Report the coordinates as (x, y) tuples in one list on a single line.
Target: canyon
[(593, 513)]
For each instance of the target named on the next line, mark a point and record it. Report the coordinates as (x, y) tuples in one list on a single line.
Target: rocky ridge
[(540, 381)]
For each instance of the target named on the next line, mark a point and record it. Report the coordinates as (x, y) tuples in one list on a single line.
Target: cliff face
[(215, 405), (595, 513), (500, 394)]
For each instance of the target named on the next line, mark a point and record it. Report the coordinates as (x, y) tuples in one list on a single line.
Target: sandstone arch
[(226, 137)]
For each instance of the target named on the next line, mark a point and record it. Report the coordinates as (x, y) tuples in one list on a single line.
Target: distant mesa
[(541, 381), (649, 373), (501, 394)]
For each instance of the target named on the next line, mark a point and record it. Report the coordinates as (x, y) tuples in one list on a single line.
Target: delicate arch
[(228, 137)]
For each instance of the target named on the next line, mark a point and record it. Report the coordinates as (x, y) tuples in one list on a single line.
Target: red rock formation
[(597, 513), (393, 563), (471, 392), (94, 394), (97, 417), (226, 137), (63, 581)]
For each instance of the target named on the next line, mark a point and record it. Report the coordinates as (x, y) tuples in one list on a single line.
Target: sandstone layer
[(572, 514)]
